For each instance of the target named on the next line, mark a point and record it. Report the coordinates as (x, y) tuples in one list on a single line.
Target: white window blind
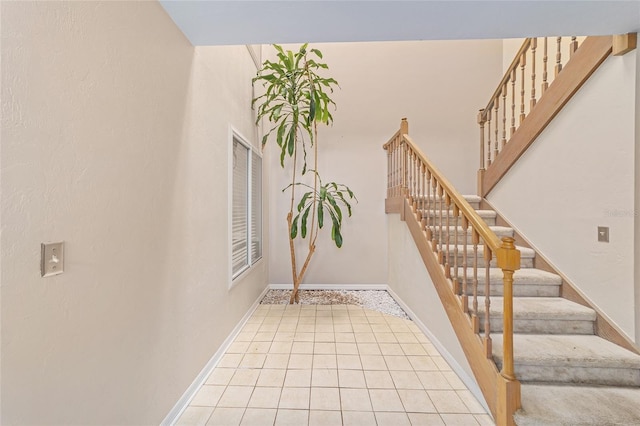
[(246, 221)]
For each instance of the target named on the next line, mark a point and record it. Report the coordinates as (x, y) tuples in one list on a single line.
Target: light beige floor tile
[(324, 347), (454, 380), (264, 336), (306, 328), (441, 363), (230, 360), (359, 319), (365, 337), (349, 362), (258, 348), (268, 327), (221, 376), (226, 416), (284, 336), (392, 419), (358, 418), (276, 361), (238, 347), (235, 396), (258, 417), (355, 400), (484, 419), (447, 402), (324, 377), (245, 336), (406, 380), (381, 328), (251, 327), (398, 362), (310, 318), (322, 328), (385, 400), (298, 361), (373, 362), (288, 327), (386, 338), (245, 377), (433, 380), (471, 402), (421, 337), (390, 349), (397, 327), (362, 328), (406, 338), (325, 337), (459, 419), (351, 379), (416, 401), (193, 416), (295, 398), (424, 419), (325, 399), (264, 397), (345, 337), (302, 348), (253, 361), (298, 378), (413, 349), (281, 347), (343, 328), (378, 380), (430, 349), (324, 361), (304, 336), (346, 349), (324, 418), (271, 377), (369, 349)]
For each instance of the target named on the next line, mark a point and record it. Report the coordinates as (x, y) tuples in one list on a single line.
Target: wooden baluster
[(504, 115), (465, 297), (429, 212), (545, 59), (487, 300), (415, 182), (489, 136), (513, 101), (497, 125), (438, 225), (394, 161), (523, 63), (416, 200), (534, 45), (573, 46), (447, 263), (475, 322), (456, 282), (481, 123), (558, 56), (509, 261), (423, 192), (434, 230)]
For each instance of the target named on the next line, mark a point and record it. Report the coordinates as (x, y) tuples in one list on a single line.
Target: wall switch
[(51, 259), (603, 234)]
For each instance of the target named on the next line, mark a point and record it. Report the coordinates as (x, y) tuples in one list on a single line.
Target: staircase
[(568, 374)]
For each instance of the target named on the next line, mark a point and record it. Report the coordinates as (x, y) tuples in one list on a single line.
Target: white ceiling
[(255, 22)]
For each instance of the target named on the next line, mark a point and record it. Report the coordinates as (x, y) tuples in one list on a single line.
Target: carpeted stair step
[(527, 282), (434, 200), (570, 359), (552, 405), (489, 216), (527, 256), (500, 231), (540, 315)]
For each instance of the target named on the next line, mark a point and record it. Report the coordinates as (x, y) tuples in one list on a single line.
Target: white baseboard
[(330, 286), (469, 381), (191, 391)]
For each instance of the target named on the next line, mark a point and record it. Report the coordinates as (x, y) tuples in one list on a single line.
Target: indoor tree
[(296, 100)]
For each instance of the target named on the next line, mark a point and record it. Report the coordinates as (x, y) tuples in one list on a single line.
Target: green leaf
[(303, 227), (320, 214), (333, 203), (291, 145), (317, 52), (280, 134), (303, 201), (294, 227), (338, 237)]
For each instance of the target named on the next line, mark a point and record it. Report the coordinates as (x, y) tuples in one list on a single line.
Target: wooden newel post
[(508, 258), (481, 121)]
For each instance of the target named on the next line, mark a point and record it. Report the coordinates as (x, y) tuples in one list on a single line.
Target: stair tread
[(525, 252), (544, 404), (556, 308), (523, 276), (481, 213), (567, 350), (495, 228)]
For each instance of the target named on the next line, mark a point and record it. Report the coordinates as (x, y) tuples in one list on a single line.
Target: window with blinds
[(246, 217)]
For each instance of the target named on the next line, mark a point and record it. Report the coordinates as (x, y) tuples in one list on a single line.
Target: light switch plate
[(603, 234), (52, 259)]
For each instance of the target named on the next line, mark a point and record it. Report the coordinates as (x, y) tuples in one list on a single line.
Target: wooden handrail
[(418, 190)]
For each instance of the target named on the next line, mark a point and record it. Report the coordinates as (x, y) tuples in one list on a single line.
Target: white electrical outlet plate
[(52, 259)]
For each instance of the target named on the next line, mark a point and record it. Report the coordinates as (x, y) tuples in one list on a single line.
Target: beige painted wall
[(577, 176), (409, 280), (438, 86), (636, 222), (115, 139)]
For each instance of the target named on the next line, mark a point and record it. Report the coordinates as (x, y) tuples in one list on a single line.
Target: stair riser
[(524, 263), (578, 375), (435, 204), (435, 221), (543, 326), (525, 290), (461, 237)]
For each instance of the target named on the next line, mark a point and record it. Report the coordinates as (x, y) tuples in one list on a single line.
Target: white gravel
[(376, 300)]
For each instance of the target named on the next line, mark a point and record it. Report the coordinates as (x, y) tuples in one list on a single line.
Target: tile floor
[(332, 365)]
